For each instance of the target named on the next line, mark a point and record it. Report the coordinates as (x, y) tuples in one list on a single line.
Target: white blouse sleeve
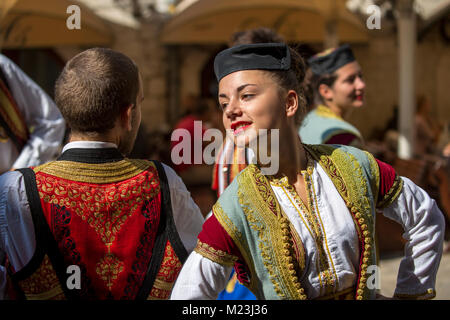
[(40, 113), (200, 279), (186, 214), (423, 224), (17, 239)]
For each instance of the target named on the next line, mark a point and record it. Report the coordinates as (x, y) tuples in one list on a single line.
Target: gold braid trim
[(43, 284), (375, 172), (53, 293), (216, 255), (97, 173), (392, 194), (352, 187), (326, 112), (265, 216), (427, 295), (238, 240), (346, 294), (311, 213), (331, 282)]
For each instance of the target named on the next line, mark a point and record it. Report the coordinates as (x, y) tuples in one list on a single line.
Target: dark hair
[(290, 79), (316, 80), (94, 87), (308, 90), (258, 35), (293, 79)]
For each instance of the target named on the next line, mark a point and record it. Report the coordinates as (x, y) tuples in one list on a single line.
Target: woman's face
[(251, 100), (348, 90)]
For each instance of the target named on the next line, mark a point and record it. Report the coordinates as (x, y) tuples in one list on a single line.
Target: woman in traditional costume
[(307, 230), (338, 88)]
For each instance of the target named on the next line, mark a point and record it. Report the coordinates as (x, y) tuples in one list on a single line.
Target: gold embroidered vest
[(269, 244)]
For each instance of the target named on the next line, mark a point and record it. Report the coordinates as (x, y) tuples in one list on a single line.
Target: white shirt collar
[(89, 145)]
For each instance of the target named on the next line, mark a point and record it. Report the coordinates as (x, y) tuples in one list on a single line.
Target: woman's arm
[(423, 224), (200, 279)]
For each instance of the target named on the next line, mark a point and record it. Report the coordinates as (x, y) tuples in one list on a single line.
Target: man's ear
[(126, 117), (325, 91), (291, 103)]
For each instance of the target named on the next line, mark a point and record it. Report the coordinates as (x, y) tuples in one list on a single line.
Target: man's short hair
[(94, 87)]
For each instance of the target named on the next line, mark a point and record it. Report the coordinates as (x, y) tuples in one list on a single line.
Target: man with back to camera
[(126, 225)]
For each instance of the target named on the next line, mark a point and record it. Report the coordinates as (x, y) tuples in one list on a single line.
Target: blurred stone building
[(174, 43)]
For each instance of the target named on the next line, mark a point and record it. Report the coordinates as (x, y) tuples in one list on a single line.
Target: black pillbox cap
[(330, 60), (255, 56)]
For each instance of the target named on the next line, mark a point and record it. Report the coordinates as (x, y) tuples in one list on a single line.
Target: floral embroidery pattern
[(145, 249), (104, 208), (43, 284), (109, 268), (167, 274)]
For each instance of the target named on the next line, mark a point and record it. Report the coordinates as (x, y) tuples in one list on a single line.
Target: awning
[(32, 23), (214, 21)]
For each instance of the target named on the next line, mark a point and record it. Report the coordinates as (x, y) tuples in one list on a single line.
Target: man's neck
[(76, 136)]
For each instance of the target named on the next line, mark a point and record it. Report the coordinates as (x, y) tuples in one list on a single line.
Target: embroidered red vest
[(109, 224)]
